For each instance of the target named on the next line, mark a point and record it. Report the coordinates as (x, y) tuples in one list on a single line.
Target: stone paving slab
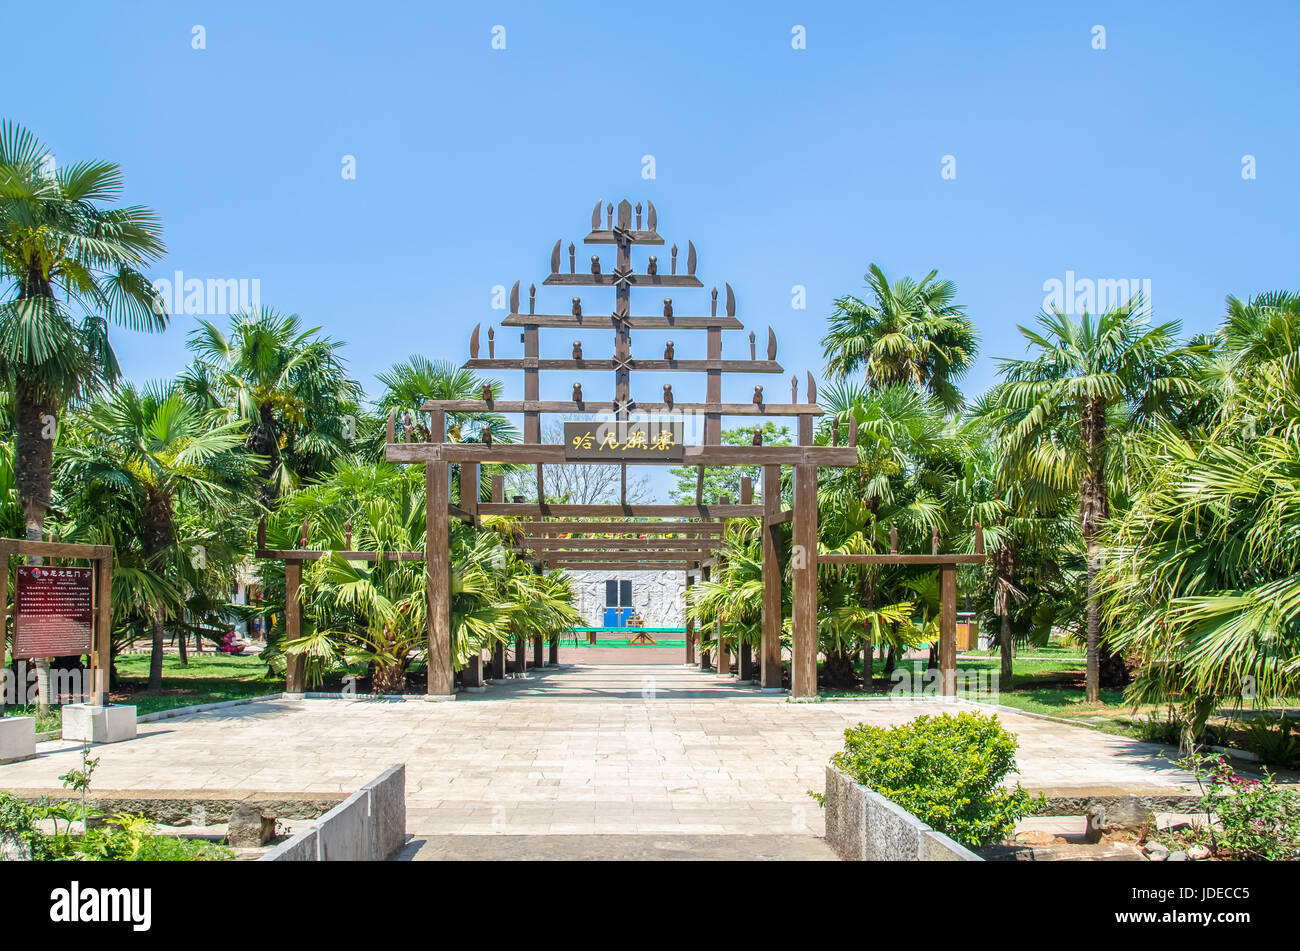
[(620, 848), (624, 750)]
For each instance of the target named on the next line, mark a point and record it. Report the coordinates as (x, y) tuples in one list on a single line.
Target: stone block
[(387, 812), (17, 738), (301, 848), (343, 833), (98, 724), (248, 828)]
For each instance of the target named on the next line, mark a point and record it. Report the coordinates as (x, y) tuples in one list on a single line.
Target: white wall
[(658, 596)]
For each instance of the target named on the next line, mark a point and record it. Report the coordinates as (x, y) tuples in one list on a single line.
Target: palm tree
[(911, 333), (1066, 410), (409, 383), (158, 450), (288, 382), (73, 266)]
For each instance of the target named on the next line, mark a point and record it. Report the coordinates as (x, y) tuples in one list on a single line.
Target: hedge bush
[(945, 770)]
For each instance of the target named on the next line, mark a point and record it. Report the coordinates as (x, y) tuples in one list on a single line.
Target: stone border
[(370, 825), (864, 826)]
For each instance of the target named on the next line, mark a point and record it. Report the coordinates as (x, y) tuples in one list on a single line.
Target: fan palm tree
[(73, 263), (912, 332), (158, 450), (409, 383), (288, 383), (1065, 412)]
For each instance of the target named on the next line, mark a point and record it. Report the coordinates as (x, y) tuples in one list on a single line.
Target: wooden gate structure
[(633, 430)]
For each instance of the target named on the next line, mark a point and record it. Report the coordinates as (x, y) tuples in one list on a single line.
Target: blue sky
[(786, 167)]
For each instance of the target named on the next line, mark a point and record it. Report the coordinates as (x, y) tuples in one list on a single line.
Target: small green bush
[(1256, 818), (945, 770), (1272, 740), (1153, 729)]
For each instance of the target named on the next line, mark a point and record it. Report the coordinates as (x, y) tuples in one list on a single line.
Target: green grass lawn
[(208, 678)]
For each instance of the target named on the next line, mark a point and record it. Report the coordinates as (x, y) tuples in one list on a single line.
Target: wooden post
[(499, 661), (521, 661), (724, 654), (4, 611), (745, 658), (773, 610), (690, 626), (537, 653), (554, 652), (803, 666), (948, 630), (704, 655), (102, 657), (293, 675), (437, 564)]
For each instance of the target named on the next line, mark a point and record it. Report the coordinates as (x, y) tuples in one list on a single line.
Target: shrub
[(1272, 741), (1153, 729), (1257, 819), (945, 770)]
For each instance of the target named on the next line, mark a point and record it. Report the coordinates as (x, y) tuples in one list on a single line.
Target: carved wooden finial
[(794, 389), (652, 268), (934, 540), (514, 298), (835, 431), (577, 349), (595, 216), (555, 256), (758, 437), (758, 396), (753, 348), (690, 258), (407, 429), (573, 258), (473, 343), (674, 259), (303, 540), (532, 298), (893, 539), (853, 429), (731, 300), (668, 394), (609, 217), (668, 306), (577, 307), (771, 344), (492, 343), (979, 538), (638, 216), (651, 216), (392, 427), (487, 392), (669, 351), (595, 264), (714, 298), (485, 434), (812, 388), (577, 392), (347, 536)]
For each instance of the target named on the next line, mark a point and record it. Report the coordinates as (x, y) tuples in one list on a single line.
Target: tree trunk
[(156, 656), (1004, 645), (1092, 510), (183, 642), (838, 669), (1004, 564)]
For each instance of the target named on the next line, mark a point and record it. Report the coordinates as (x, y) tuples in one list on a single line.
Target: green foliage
[(725, 480), (1273, 741), (945, 770), (1256, 818)]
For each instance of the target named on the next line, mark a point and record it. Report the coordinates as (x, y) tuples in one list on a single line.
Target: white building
[(605, 597)]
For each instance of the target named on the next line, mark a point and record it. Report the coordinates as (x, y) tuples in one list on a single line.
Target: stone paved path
[(630, 750)]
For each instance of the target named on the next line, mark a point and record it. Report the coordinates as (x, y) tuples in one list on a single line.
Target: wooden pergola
[(629, 430)]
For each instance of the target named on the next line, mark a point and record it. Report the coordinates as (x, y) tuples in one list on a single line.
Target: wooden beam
[(606, 322), (773, 617), (654, 366), (629, 556), (635, 510), (626, 528), (597, 407), (628, 544), (711, 455), (636, 280), (19, 546), (620, 566), (102, 656), (897, 559)]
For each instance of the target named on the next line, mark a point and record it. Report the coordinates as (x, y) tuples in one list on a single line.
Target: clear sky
[(785, 166)]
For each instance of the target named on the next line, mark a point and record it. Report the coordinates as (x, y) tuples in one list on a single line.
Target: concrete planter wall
[(370, 825), (864, 826)]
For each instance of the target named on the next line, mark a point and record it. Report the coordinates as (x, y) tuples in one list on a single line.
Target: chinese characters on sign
[(658, 441), (53, 612)]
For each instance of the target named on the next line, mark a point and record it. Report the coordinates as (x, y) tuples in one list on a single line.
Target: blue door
[(618, 603)]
